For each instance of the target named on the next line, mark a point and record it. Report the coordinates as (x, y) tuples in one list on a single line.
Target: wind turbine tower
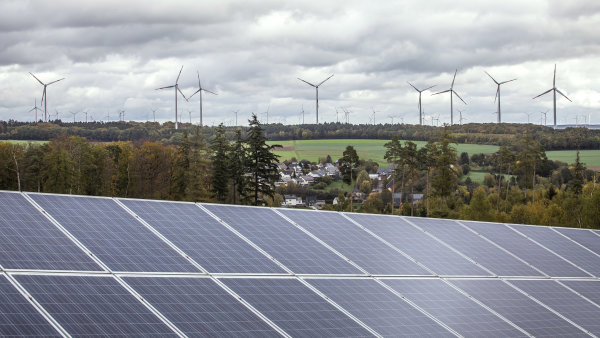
[(44, 98), (451, 90), (35, 108), (316, 86), (176, 86), (554, 89), (199, 92), (420, 105), (498, 94)]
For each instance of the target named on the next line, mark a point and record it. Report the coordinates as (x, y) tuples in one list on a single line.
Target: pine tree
[(220, 165), (261, 163), (237, 161), (444, 181), (576, 183)]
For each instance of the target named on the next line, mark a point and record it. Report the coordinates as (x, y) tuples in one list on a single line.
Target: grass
[(24, 142), (591, 158)]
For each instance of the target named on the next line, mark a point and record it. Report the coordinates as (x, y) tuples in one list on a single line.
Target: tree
[(503, 160), (444, 180), (220, 165), (576, 183), (427, 158), (349, 161), (393, 155), (237, 160), (479, 209), (261, 163), (411, 159), (529, 158)]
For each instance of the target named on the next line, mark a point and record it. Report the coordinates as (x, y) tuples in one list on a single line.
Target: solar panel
[(295, 308), (112, 234), (584, 237), (93, 306), (564, 301), (199, 307), (282, 240), (527, 250), (204, 239), (18, 317), (453, 308), (475, 247), (588, 289), (28, 240), (378, 307), (356, 244), (419, 245), (562, 246), (518, 308)]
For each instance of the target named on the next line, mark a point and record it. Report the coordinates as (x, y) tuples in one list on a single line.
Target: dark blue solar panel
[(586, 238), (295, 308), (93, 306), (562, 246), (563, 301), (589, 289), (379, 308), (453, 308), (527, 250), (112, 234), (282, 240), (475, 247), (419, 245), (202, 237), (18, 318), (199, 307), (356, 244), (518, 308), (28, 240)]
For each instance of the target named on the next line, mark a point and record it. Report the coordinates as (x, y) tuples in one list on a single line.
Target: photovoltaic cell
[(28, 240), (563, 301), (112, 234), (199, 307), (475, 247), (18, 318), (453, 308), (589, 289), (93, 306), (527, 250), (295, 308), (518, 308), (419, 245), (584, 237), (379, 308), (562, 246), (354, 243), (282, 240), (203, 238)]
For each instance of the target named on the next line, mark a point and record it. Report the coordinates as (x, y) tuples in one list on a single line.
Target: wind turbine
[(451, 90), (35, 108), (44, 97), (528, 115), (374, 111), (545, 115), (317, 91), (176, 86), (554, 89), (74, 114), (498, 94), (236, 112), (154, 114), (199, 92), (460, 119), (86, 113), (420, 105)]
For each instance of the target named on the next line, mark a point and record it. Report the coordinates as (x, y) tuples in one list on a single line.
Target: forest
[(523, 185)]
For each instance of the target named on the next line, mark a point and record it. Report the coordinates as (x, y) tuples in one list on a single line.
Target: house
[(291, 201), (332, 170), (416, 198)]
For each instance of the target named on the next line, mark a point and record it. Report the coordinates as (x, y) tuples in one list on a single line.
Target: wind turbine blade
[(325, 80), (497, 90), (554, 78), (165, 87), (428, 88), (180, 92), (546, 92), (196, 92), (454, 78), (55, 81), (488, 74), (208, 91), (36, 78), (199, 84), (445, 91), (176, 81), (308, 83), (507, 81), (455, 93), (34, 108), (412, 86), (565, 96)]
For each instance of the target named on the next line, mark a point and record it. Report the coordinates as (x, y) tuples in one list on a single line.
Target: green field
[(24, 142), (591, 158)]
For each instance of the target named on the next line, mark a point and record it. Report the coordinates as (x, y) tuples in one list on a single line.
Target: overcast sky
[(114, 54)]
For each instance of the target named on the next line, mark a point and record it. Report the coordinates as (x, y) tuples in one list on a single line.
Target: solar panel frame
[(399, 238), (536, 255), (200, 243), (368, 252), (112, 234), (289, 244), (30, 240)]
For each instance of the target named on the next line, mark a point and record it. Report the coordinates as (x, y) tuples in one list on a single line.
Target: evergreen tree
[(261, 163), (237, 160), (576, 183), (349, 162), (393, 155), (220, 165), (444, 181)]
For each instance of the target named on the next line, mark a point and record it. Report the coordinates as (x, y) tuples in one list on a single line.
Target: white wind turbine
[(451, 90), (316, 86), (44, 97), (176, 86), (420, 104), (498, 94), (554, 89), (199, 92)]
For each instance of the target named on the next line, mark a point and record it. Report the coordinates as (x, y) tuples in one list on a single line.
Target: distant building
[(291, 201)]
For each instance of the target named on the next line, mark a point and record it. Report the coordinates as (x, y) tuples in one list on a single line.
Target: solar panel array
[(91, 266)]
